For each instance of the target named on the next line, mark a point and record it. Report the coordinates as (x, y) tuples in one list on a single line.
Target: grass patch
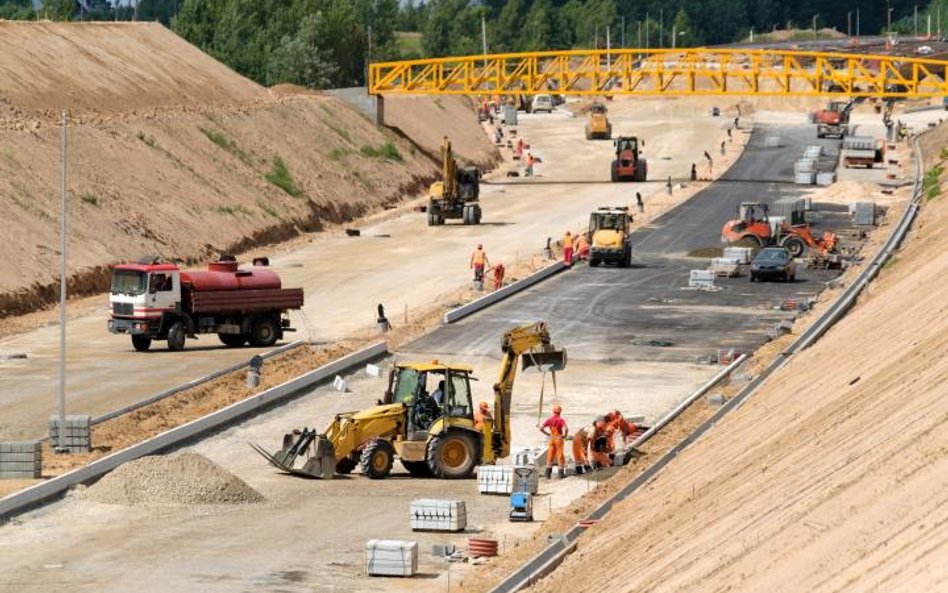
[(91, 199), (149, 141), (385, 151), (232, 210), (223, 141), (337, 154), (23, 198), (342, 132), (931, 183), (267, 209), (280, 176)]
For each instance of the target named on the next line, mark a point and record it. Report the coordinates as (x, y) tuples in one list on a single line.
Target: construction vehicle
[(598, 125), (609, 238), (155, 300), (429, 436), (457, 194), (628, 164), (834, 120), (754, 228)]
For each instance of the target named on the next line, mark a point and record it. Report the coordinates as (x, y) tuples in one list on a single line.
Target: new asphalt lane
[(645, 312)]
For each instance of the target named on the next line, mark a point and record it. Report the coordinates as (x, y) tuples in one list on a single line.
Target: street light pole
[(814, 25), (915, 19), (857, 22), (849, 24), (61, 433)]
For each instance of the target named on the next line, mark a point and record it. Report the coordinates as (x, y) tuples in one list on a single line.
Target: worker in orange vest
[(556, 430), (481, 415), (582, 247), (531, 160), (478, 261), (620, 425), (568, 248), (602, 445), (580, 451)]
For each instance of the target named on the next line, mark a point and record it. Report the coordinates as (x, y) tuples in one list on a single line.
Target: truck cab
[(152, 299)]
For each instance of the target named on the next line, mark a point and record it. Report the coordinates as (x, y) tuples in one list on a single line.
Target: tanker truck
[(155, 300)]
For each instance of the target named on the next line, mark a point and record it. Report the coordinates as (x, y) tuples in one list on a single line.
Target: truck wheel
[(452, 455), (176, 337), (141, 342), (432, 219), (641, 170), (477, 214), (233, 340), (264, 333), (377, 459), (466, 215), (593, 262), (615, 170), (795, 246)]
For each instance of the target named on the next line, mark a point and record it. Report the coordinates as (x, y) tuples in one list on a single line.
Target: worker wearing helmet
[(556, 430), (568, 248), (482, 416), (621, 426), (582, 247), (601, 444), (580, 451), (478, 262)]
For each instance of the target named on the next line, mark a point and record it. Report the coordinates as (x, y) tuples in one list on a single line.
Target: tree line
[(328, 43)]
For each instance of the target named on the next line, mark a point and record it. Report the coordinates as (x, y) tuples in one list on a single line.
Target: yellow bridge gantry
[(666, 72)]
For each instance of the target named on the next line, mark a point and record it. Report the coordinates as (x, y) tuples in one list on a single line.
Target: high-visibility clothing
[(556, 424), (479, 257), (580, 446), (568, 241), (554, 452)]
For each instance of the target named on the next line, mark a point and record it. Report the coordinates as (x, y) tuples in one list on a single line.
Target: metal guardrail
[(498, 295), (55, 487), (548, 559)]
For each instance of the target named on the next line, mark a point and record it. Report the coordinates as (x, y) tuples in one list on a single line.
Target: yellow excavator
[(457, 195), (426, 420)]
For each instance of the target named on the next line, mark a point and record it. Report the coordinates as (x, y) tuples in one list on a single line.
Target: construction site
[(425, 340)]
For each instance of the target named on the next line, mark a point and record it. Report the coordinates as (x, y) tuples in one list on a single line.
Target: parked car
[(542, 103), (773, 262)]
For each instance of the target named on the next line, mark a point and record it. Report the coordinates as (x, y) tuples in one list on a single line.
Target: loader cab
[(627, 143), (750, 212), (431, 391), (612, 219)]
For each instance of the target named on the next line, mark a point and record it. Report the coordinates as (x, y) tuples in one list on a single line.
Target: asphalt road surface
[(644, 313)]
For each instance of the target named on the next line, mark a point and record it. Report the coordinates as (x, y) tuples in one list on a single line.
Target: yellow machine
[(609, 238), (598, 125), (426, 419), (457, 195)]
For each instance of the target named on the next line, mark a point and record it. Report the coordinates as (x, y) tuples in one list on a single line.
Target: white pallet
[(432, 514), (501, 479), (391, 558), (741, 255)]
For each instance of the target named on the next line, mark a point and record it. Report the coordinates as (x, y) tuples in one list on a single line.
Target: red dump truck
[(155, 300)]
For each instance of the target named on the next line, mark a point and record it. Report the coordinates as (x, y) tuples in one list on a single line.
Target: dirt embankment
[(831, 478), (173, 154)]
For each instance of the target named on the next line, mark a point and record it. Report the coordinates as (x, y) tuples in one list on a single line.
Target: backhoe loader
[(426, 420), (457, 195)]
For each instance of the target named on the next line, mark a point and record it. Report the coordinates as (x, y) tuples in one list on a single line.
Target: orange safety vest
[(478, 257), (568, 241)]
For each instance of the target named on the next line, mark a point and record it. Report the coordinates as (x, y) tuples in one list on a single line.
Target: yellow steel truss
[(666, 72)]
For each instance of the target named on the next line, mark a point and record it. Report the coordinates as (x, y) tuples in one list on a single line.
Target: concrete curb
[(499, 295), (551, 556), (32, 497), (192, 383)]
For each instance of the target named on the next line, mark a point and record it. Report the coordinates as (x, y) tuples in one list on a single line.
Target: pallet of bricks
[(21, 460)]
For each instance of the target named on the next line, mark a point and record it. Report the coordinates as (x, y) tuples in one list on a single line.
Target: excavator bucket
[(545, 360), (305, 453)]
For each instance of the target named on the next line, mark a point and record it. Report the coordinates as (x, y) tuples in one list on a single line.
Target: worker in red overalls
[(602, 445), (556, 430), (499, 275), (568, 249), (620, 425), (582, 247)]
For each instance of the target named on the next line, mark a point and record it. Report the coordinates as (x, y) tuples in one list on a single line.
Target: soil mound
[(185, 479)]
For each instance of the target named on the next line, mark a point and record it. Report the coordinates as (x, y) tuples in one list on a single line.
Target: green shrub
[(931, 183), (228, 144), (91, 199)]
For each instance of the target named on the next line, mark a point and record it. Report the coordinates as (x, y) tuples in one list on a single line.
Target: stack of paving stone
[(77, 434), (21, 459)]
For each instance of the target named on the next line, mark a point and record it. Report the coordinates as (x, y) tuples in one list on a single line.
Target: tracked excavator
[(425, 420), (457, 195)]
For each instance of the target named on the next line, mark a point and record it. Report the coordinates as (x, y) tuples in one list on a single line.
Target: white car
[(542, 103)]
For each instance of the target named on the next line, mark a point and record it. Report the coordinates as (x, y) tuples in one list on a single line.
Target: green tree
[(682, 28), (59, 10), (299, 59)]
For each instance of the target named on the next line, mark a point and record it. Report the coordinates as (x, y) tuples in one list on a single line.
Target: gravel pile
[(184, 479)]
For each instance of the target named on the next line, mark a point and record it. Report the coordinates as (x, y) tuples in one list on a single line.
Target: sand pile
[(183, 479)]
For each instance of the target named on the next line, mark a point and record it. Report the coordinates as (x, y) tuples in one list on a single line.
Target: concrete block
[(20, 446)]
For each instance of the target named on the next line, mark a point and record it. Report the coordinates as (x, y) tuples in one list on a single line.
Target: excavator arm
[(530, 342), (449, 171)]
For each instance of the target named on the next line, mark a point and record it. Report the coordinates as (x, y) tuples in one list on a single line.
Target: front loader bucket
[(304, 453), (545, 360)]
